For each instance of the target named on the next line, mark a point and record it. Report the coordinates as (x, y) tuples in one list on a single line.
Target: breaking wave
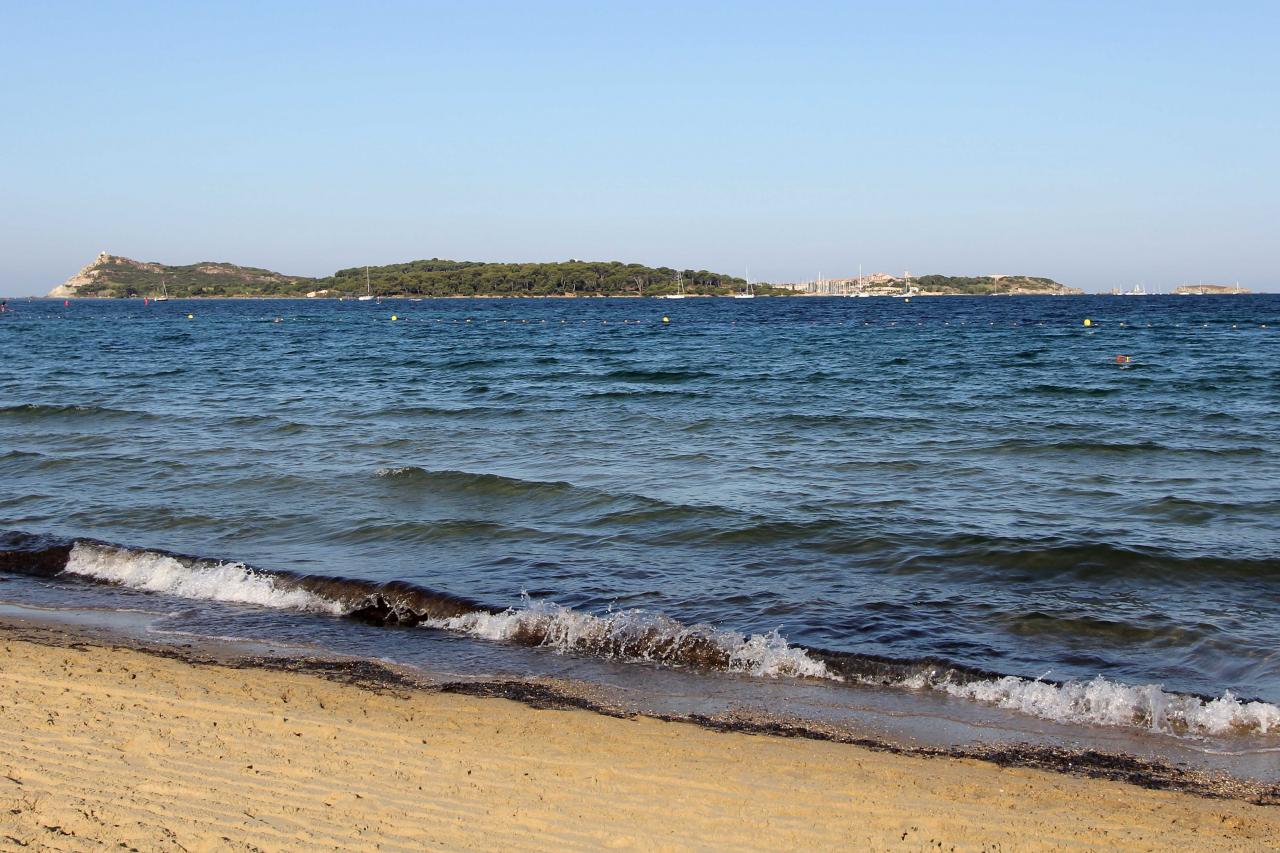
[(632, 635), (154, 572), (638, 636)]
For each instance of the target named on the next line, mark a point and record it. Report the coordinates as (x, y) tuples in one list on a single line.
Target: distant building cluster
[(874, 284)]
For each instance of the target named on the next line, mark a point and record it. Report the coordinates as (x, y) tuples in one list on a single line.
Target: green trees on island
[(114, 276), (983, 285), (436, 277)]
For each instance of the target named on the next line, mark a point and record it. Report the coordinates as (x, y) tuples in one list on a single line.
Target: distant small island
[(1209, 290), (115, 276), (883, 284)]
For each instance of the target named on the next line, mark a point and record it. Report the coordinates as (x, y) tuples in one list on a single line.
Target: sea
[(951, 520)]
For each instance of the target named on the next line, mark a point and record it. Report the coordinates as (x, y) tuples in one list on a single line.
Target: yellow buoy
[(393, 317), (1088, 322), (666, 319), (191, 316)]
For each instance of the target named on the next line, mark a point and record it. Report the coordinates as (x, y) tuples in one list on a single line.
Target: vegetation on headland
[(567, 278), (989, 285), (119, 277), (115, 276)]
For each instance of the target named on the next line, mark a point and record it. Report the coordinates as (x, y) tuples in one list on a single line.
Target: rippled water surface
[(973, 481)]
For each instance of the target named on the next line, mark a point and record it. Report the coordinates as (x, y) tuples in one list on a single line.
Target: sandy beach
[(105, 746)]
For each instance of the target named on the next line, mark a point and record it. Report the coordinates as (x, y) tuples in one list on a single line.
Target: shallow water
[(973, 488)]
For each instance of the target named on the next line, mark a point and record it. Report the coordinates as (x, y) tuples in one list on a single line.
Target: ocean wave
[(659, 376), (1102, 702), (484, 484), (209, 581), (37, 411), (1113, 448), (1051, 390), (1014, 557), (634, 635)]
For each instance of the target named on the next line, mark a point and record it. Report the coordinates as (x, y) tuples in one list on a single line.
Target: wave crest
[(634, 635), (155, 572), (639, 636), (1101, 701)]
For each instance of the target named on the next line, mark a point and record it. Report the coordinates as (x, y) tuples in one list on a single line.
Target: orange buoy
[(1124, 359)]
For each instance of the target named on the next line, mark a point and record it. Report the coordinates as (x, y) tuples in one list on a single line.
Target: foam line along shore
[(632, 636)]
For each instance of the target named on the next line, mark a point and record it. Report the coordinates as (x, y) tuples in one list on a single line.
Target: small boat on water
[(679, 294), (368, 288), (164, 292), (749, 293)]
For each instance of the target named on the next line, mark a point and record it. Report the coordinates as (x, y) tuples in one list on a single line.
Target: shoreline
[(88, 715), (558, 296)]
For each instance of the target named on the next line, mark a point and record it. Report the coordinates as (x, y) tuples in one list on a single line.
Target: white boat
[(368, 295), (749, 294), (1137, 290), (679, 294), (164, 292)]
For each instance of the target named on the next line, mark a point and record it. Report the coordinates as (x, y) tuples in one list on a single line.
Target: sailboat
[(164, 292), (679, 294), (749, 293), (368, 295)]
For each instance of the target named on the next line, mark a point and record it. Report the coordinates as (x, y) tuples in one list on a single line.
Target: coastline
[(562, 296), (173, 747)]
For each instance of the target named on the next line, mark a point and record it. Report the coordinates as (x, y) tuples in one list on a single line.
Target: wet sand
[(105, 746)]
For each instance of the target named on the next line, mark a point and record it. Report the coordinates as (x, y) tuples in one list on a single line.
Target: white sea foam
[(207, 581), (397, 472), (1101, 701), (640, 636), (635, 635)]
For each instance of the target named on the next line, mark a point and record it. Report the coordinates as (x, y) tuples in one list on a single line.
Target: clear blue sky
[(1097, 143)]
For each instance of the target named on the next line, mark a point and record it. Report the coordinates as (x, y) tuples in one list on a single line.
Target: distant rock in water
[(113, 275), (1209, 290)]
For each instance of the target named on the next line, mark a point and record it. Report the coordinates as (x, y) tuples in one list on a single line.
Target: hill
[(437, 277), (883, 284), (992, 285), (116, 276)]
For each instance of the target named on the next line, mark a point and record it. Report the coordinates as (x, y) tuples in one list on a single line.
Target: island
[(115, 276), (1209, 290), (884, 284)]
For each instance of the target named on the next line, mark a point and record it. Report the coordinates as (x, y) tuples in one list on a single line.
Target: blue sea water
[(977, 487)]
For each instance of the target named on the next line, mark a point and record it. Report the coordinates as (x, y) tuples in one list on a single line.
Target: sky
[(1100, 144)]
